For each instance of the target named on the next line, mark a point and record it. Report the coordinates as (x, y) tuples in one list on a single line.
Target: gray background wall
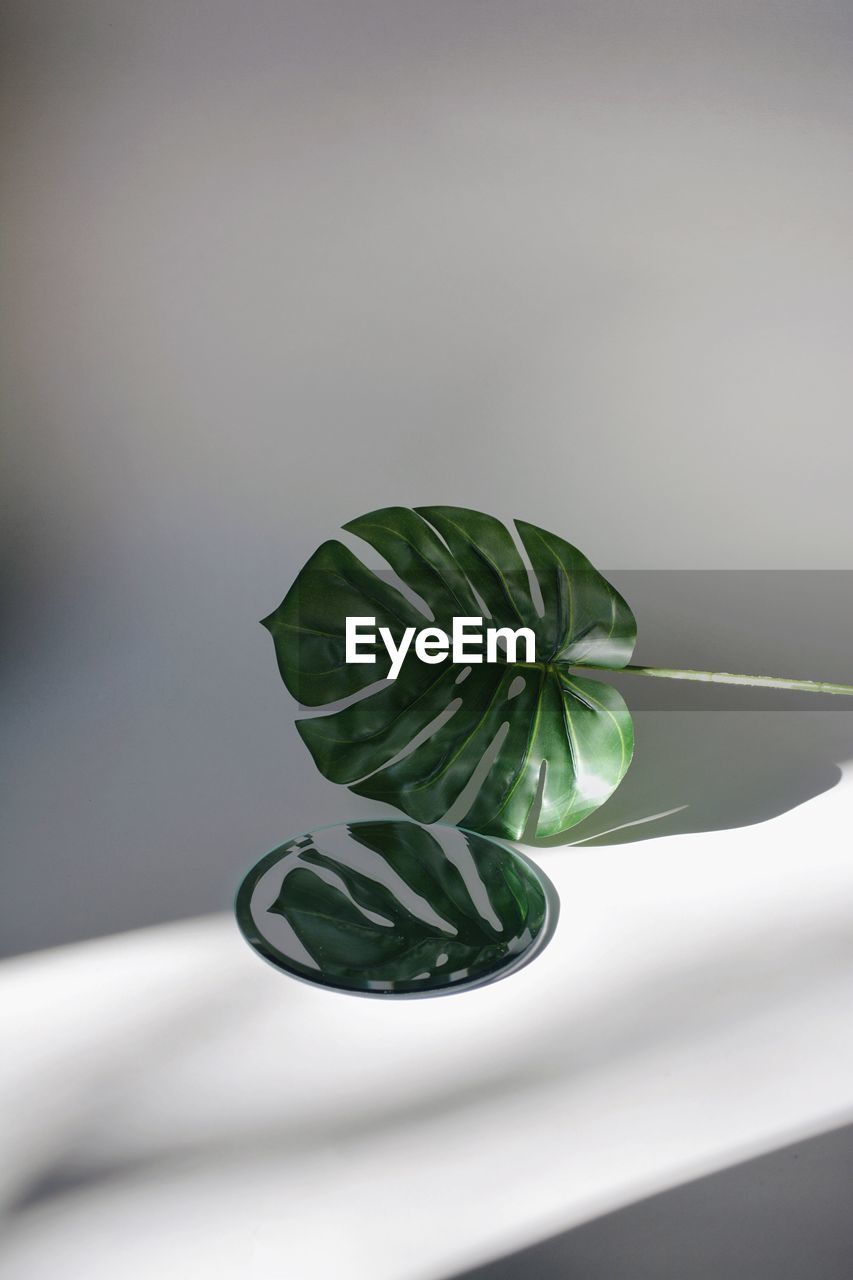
[(269, 265)]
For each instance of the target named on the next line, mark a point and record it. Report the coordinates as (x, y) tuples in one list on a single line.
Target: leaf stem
[(725, 677)]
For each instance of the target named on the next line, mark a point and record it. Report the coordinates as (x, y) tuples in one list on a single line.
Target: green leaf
[(386, 743)]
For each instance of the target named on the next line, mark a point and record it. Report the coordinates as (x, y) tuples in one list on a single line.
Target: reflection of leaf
[(452, 558), (358, 928)]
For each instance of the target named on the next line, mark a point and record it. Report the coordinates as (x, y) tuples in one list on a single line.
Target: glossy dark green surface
[(578, 728), (389, 908)]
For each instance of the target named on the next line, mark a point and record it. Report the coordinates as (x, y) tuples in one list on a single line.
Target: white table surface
[(173, 1107)]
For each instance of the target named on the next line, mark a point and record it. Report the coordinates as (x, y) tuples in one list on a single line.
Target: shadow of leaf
[(711, 771)]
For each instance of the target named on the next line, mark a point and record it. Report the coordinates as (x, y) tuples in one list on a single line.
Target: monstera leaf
[(391, 908), (549, 734)]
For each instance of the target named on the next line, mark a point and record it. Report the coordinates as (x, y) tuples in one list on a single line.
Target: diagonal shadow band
[(782, 1216), (559, 1051)]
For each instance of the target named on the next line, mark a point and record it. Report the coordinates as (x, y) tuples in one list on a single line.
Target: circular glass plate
[(393, 908)]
